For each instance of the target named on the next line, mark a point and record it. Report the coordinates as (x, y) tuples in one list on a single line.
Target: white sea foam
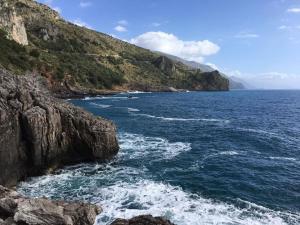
[(283, 158), (201, 162), (139, 146), (180, 119), (125, 200), (108, 97), (133, 110), (258, 131), (137, 92), (124, 193), (103, 106), (229, 153)]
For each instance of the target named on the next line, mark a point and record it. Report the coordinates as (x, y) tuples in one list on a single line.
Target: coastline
[(40, 133)]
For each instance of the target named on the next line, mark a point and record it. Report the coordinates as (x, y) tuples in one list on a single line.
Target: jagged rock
[(12, 23), (165, 64), (21, 210), (143, 220), (38, 132), (7, 207)]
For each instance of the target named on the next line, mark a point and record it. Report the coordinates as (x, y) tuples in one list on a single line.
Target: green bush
[(34, 53)]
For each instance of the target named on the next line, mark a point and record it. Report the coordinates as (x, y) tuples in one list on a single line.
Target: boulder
[(16, 209), (143, 220), (39, 132)]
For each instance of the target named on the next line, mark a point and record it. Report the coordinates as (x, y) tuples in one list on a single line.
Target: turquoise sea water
[(195, 158)]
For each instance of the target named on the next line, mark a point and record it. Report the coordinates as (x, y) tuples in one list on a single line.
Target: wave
[(137, 92), (133, 110), (258, 131), (283, 158), (201, 162), (124, 192), (108, 97), (229, 153), (139, 146), (100, 105), (180, 119), (125, 200)]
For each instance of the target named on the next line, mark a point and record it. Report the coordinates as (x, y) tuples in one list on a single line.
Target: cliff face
[(38, 132), (77, 59), (12, 23)]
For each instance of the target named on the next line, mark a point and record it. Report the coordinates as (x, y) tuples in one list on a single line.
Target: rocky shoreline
[(40, 133), (16, 209)]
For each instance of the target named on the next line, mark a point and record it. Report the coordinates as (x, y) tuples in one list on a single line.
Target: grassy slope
[(94, 60)]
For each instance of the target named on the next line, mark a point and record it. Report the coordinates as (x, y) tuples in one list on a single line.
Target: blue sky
[(257, 40)]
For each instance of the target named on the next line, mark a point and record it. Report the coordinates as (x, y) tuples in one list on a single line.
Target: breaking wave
[(139, 146), (108, 97), (122, 193), (103, 106), (180, 119)]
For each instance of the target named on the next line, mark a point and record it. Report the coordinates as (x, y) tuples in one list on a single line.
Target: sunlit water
[(195, 158)]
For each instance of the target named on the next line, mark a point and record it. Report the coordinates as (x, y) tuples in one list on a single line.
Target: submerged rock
[(143, 220), (15, 209), (39, 132)]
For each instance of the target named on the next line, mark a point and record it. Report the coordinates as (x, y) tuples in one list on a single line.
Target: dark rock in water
[(39, 132), (143, 220), (44, 212)]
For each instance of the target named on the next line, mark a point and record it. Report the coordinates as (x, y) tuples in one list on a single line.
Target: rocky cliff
[(80, 60), (12, 23), (39, 132)]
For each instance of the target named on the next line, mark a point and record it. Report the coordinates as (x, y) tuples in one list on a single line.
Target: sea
[(195, 158)]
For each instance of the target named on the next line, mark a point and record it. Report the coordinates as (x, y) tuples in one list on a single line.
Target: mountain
[(79, 60), (237, 83), (234, 82)]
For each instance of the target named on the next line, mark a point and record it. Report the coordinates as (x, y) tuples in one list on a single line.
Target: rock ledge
[(39, 132)]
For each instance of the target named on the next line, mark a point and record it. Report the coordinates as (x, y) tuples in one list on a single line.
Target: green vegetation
[(62, 51), (14, 56)]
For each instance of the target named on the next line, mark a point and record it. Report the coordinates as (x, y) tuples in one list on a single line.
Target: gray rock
[(39, 132), (7, 207), (143, 220), (20, 210), (39, 212)]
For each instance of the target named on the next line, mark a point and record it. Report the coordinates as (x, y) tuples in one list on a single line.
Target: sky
[(255, 40)]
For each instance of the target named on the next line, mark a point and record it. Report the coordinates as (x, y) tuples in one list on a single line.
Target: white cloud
[(85, 4), (123, 22), (283, 27), (290, 28), (81, 23), (156, 24), (268, 80), (245, 35), (275, 80), (120, 28), (293, 10), (170, 44)]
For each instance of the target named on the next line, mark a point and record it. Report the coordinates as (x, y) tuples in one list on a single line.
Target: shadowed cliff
[(39, 132)]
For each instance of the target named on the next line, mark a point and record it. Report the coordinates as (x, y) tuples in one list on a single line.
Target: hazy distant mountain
[(238, 83), (234, 82)]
